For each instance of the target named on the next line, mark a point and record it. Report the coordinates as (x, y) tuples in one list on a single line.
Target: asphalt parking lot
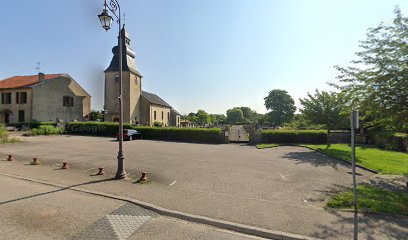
[(282, 189)]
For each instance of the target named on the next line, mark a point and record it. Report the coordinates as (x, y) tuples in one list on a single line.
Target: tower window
[(162, 115), (154, 115)]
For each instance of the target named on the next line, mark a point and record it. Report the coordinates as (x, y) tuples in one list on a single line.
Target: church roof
[(24, 81), (175, 111), (153, 98)]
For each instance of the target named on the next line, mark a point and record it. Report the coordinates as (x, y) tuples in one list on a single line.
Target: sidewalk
[(309, 221), (33, 211)]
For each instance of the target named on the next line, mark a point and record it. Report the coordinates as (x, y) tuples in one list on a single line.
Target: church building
[(139, 107)]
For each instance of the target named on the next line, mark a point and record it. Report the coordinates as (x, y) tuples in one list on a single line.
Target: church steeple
[(128, 56)]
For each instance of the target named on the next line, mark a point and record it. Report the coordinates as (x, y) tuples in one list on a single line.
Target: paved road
[(34, 211), (282, 189)]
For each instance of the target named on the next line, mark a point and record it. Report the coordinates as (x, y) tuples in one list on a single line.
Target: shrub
[(3, 134), (157, 124), (294, 136), (4, 137), (31, 124), (45, 130), (198, 135)]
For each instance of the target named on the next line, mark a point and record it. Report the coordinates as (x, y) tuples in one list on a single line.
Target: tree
[(377, 83), (324, 108), (282, 107), (247, 113), (202, 117), (95, 115), (217, 119), (300, 122), (235, 115)]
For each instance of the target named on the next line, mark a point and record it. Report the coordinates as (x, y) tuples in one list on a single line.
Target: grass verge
[(4, 137), (266, 145), (372, 199), (382, 161)]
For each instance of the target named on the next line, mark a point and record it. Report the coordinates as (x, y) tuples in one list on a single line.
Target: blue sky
[(211, 55)]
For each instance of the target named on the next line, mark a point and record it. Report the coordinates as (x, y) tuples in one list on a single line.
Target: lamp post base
[(120, 176), (120, 173)]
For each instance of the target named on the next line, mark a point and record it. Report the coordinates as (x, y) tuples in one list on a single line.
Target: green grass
[(371, 199), (266, 145), (382, 161)]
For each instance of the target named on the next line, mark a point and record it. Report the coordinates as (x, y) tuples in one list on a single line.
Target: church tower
[(131, 83)]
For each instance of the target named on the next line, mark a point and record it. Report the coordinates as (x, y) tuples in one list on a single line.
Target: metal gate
[(238, 134)]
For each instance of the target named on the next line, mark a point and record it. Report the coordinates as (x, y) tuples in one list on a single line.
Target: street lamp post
[(106, 21)]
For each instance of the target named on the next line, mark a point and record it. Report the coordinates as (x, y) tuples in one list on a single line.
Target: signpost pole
[(354, 125)]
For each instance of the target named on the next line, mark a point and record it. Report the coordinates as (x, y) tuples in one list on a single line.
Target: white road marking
[(283, 177), (171, 184), (310, 205), (88, 169)]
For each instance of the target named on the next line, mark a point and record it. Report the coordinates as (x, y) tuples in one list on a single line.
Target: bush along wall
[(45, 130), (294, 136), (196, 135), (31, 124)]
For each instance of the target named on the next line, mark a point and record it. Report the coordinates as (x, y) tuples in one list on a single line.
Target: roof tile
[(24, 81)]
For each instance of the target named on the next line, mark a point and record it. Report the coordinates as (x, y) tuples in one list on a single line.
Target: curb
[(236, 227), (357, 165)]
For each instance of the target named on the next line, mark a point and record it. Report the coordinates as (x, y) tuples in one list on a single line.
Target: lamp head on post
[(106, 19)]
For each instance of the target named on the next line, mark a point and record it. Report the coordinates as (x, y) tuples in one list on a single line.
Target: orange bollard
[(10, 158), (143, 177), (101, 172), (64, 165), (35, 161)]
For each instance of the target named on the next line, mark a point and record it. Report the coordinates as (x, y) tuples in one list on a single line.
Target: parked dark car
[(130, 134)]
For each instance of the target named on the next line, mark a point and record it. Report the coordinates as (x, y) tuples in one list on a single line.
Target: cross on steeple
[(38, 68), (124, 18)]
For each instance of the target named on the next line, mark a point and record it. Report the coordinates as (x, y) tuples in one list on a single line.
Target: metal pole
[(353, 158), (120, 174)]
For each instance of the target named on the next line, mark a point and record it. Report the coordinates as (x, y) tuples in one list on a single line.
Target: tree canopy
[(377, 83), (235, 115), (282, 107), (324, 108)]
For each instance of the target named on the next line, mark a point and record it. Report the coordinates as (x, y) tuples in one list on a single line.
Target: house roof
[(24, 81), (153, 98)]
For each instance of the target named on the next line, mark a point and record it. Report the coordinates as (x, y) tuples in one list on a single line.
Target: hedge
[(31, 124), (294, 136), (197, 135), (45, 130), (389, 140)]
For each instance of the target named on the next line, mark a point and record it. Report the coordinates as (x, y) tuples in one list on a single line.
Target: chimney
[(41, 77)]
